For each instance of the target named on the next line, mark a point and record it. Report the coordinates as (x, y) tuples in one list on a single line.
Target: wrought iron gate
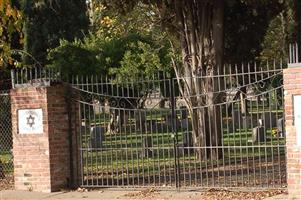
[(141, 133)]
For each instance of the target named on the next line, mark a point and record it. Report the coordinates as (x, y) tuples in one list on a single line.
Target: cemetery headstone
[(97, 108), (280, 127), (97, 137), (106, 108), (243, 122), (268, 120), (258, 134), (250, 121)]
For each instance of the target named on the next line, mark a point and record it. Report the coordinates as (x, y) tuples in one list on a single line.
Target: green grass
[(117, 161), (7, 161), (135, 140), (124, 151)]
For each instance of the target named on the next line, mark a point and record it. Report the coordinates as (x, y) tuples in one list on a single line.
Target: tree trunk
[(201, 34)]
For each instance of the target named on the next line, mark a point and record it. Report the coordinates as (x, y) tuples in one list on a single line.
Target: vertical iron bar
[(174, 131), (17, 76), (239, 126), (244, 121), (12, 73), (35, 73)]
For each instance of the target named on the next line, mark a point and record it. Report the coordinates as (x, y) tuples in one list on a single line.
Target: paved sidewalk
[(109, 194), (101, 195)]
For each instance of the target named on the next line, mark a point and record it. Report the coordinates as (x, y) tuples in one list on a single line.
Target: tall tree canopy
[(10, 39), (10, 24), (46, 22), (199, 28), (204, 32)]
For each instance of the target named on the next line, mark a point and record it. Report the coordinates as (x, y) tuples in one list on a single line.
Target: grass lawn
[(7, 161)]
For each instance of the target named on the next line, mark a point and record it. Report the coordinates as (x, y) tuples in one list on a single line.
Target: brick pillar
[(42, 160), (292, 87)]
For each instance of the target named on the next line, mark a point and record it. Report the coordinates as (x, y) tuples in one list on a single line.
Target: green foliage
[(109, 23), (262, 29), (246, 23), (121, 58), (293, 20), (46, 22), (140, 59), (253, 29), (274, 43), (73, 58), (127, 38), (11, 20), (283, 29)]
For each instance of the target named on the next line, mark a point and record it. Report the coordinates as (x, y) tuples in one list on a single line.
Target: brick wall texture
[(292, 86), (42, 161)]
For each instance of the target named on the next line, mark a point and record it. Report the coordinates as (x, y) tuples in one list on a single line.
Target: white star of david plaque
[(30, 121)]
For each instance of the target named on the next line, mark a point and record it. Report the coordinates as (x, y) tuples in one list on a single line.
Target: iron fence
[(36, 76), (6, 157), (223, 130), (155, 132)]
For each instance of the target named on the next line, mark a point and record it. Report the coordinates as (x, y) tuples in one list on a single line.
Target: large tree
[(46, 22), (198, 25)]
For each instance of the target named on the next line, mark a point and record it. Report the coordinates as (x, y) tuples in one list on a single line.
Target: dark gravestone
[(147, 151), (280, 127), (242, 122), (258, 134), (184, 121), (268, 120), (97, 137), (237, 120)]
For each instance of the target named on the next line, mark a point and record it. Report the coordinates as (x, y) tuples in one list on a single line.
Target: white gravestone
[(297, 118), (30, 121)]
